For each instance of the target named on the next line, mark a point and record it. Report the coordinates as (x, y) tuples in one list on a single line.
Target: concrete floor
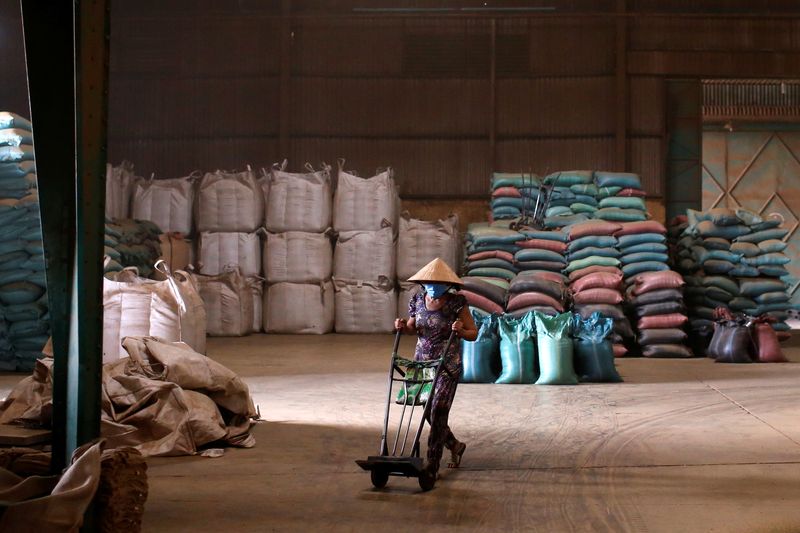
[(681, 446)]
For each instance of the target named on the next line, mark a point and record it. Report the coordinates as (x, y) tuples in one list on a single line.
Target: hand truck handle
[(396, 343)]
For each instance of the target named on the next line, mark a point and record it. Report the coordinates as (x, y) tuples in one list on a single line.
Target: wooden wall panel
[(647, 160), (543, 156), (646, 105)]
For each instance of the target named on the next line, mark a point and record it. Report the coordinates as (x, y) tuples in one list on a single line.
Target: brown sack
[(768, 347)]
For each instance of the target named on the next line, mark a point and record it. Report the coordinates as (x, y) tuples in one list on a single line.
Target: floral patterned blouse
[(433, 329)]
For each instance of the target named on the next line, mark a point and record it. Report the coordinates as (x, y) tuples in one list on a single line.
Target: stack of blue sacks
[(25, 323)]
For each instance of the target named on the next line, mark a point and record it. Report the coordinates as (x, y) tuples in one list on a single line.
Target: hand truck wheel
[(379, 478), (427, 480)]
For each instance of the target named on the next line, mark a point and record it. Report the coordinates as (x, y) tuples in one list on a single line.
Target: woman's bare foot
[(455, 455)]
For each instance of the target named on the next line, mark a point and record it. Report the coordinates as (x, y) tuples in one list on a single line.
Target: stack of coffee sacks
[(569, 203), (621, 197), (420, 242), (539, 284), (133, 243), (298, 218), (490, 251), (365, 217), (24, 317), (507, 201), (656, 298), (734, 259), (595, 278)]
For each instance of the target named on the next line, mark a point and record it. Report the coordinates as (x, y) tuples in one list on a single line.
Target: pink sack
[(592, 227), (578, 274), (620, 350), (597, 296), (597, 280), (673, 320), (499, 254), (529, 299), (544, 244), (481, 302), (653, 281), (769, 348), (642, 226), (545, 274), (507, 192), (632, 192)]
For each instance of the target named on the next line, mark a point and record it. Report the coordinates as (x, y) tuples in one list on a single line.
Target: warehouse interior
[(202, 337)]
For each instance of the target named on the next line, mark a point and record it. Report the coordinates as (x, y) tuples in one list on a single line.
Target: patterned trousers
[(440, 434)]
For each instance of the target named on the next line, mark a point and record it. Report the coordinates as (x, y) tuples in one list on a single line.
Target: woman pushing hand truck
[(433, 313)]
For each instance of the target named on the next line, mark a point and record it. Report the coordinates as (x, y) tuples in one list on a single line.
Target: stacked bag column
[(365, 219), (297, 254)]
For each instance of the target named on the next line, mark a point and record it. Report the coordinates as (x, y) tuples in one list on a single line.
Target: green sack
[(481, 357), (517, 350), (624, 202), (593, 260), (594, 354), (555, 349), (417, 393)]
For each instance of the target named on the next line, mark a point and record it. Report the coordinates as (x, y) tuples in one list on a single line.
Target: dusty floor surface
[(681, 446)]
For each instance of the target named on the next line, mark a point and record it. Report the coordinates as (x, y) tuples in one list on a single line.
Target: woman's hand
[(458, 327), (399, 324)]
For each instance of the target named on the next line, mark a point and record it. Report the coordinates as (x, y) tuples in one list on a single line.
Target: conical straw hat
[(437, 271)]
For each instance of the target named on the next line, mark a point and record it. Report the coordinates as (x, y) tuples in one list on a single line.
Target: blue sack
[(517, 350), (594, 353), (481, 357)]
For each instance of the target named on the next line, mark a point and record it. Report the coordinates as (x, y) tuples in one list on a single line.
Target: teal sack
[(490, 263), (620, 215), (558, 210), (534, 254), (624, 202), (589, 189), (757, 287), (545, 235), (652, 247), (481, 357), (633, 269), (774, 271), (641, 238), (605, 192), (501, 273), (555, 349), (765, 235), (626, 180), (594, 353), (563, 221), (644, 256), (772, 259), (592, 251), (517, 350), (593, 241), (592, 261), (772, 246), (569, 178), (586, 199)]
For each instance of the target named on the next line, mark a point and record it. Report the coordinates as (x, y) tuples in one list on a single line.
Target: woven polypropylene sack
[(229, 304), (365, 204), (218, 252), (365, 255), (165, 202), (299, 308), (365, 307), (517, 350), (481, 357), (298, 257), (420, 242), (299, 202), (229, 202), (554, 345), (119, 189)]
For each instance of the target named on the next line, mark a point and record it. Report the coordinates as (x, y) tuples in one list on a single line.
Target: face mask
[(435, 290)]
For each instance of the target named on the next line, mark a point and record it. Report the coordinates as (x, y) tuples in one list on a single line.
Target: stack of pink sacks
[(595, 279), (485, 296), (660, 334), (537, 290), (541, 250)]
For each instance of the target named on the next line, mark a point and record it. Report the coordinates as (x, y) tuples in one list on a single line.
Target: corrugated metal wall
[(201, 84)]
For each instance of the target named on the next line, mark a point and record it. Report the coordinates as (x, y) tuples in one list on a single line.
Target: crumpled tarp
[(165, 400)]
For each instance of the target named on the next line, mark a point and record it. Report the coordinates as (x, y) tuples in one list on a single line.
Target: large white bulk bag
[(299, 308), (232, 202), (194, 319), (364, 204), (365, 255), (365, 307), (299, 202), (219, 252), (404, 295), (135, 306), (420, 242), (119, 188), (298, 257), (257, 294), (229, 304), (165, 202)]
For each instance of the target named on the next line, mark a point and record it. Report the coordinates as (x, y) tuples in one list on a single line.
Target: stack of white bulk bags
[(364, 271), (120, 181), (229, 215), (420, 242), (298, 254), (165, 202)]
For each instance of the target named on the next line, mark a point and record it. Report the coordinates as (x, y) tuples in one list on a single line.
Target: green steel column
[(67, 56), (86, 324), (49, 55)]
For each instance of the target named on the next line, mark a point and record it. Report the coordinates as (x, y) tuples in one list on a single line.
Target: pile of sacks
[(132, 243), (229, 215), (420, 242), (572, 199), (167, 203), (24, 318), (365, 219), (741, 339), (595, 277), (733, 259), (620, 197), (491, 250), (120, 181), (507, 201), (567, 349), (298, 254)]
